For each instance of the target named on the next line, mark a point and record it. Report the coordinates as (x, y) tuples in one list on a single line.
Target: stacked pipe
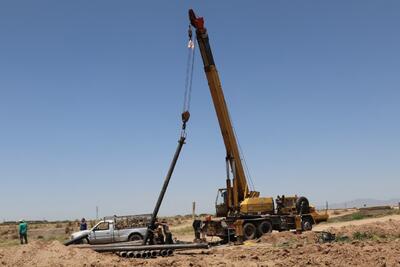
[(147, 251), (113, 248), (145, 254)]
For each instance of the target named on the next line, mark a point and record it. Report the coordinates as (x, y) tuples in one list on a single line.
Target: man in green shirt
[(23, 231)]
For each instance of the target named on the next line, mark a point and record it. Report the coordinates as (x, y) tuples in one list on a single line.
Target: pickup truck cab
[(113, 230)]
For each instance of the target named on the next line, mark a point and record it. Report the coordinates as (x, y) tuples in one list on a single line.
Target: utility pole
[(97, 212), (193, 210)]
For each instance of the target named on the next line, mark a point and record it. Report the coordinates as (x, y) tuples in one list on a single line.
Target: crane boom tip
[(197, 22)]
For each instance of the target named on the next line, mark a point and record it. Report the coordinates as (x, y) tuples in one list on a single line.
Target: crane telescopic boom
[(238, 190)]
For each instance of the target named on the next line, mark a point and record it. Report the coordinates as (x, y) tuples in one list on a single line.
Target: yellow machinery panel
[(257, 205)]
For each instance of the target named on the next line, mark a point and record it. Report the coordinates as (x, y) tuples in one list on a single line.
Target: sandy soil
[(370, 242)]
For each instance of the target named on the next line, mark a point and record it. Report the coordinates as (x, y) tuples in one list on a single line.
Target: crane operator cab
[(220, 203)]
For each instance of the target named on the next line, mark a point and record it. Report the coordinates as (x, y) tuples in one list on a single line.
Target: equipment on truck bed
[(237, 202)]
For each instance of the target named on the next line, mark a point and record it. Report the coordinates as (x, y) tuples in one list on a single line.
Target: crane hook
[(185, 119)]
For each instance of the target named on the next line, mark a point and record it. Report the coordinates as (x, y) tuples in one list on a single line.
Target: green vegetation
[(359, 215), (342, 238), (362, 236)]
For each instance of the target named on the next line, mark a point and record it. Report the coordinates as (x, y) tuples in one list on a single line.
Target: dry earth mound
[(373, 244)]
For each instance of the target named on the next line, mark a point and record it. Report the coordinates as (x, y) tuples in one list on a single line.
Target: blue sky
[(91, 94)]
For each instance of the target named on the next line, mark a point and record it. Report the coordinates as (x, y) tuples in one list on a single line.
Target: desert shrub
[(59, 225), (362, 235), (40, 237), (342, 238), (14, 236), (357, 216)]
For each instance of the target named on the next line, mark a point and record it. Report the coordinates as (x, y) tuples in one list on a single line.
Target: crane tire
[(306, 224), (249, 231), (264, 227)]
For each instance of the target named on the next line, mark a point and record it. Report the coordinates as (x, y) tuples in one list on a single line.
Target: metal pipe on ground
[(130, 254), (163, 253), (150, 247), (138, 255), (170, 252), (119, 244), (154, 253), (123, 254)]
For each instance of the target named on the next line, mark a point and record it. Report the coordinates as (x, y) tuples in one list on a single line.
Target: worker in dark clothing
[(159, 236), (83, 225), (167, 232), (197, 229), (23, 232)]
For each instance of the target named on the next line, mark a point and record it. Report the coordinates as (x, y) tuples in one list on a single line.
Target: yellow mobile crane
[(258, 215)]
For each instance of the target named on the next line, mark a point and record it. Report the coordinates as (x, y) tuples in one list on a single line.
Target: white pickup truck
[(114, 229)]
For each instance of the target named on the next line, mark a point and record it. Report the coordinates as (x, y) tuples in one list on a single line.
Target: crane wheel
[(249, 231), (265, 227), (306, 224)]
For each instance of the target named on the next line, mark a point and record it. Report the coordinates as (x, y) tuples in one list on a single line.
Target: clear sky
[(91, 94)]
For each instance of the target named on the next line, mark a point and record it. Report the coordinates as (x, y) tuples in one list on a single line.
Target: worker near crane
[(167, 233), (239, 231), (159, 235), (23, 232)]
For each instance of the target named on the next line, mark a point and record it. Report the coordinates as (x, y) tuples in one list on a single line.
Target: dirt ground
[(369, 242)]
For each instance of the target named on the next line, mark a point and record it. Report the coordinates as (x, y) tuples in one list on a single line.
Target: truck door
[(103, 233)]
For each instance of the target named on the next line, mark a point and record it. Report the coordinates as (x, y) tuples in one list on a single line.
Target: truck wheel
[(135, 237), (265, 227), (249, 231), (306, 224)]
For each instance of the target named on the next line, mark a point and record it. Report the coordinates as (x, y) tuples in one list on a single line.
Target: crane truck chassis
[(243, 212), (300, 217)]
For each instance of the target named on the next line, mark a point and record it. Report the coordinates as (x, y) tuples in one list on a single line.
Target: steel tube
[(138, 255), (151, 227), (150, 247), (163, 253)]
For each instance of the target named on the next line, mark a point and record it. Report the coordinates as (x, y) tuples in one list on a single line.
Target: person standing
[(23, 232), (167, 232), (83, 225)]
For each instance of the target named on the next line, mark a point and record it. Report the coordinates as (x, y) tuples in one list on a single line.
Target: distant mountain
[(359, 203)]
